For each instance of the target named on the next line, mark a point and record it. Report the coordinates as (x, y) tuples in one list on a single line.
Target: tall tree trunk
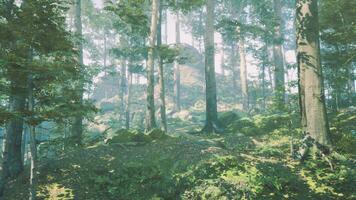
[(77, 129), (243, 75), (351, 84), (12, 162), (123, 87), (235, 74), (301, 89), (242, 64), (278, 56), (177, 106), (162, 94), (12, 157), (200, 39), (308, 51), (211, 99), (150, 117), (24, 143), (128, 101), (33, 148), (263, 73)]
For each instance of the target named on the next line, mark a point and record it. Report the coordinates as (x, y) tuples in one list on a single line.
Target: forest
[(177, 99)]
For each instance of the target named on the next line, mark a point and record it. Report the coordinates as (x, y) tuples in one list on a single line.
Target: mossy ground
[(243, 163)]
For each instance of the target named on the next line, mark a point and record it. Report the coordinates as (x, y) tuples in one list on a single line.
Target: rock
[(228, 118), (125, 136)]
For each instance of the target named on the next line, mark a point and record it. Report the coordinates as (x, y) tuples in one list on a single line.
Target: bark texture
[(33, 148), (210, 82), (123, 85), (243, 75), (278, 56), (311, 79), (128, 101), (162, 93), (150, 116)]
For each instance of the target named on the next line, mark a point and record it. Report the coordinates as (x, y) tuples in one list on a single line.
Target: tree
[(338, 51), (162, 88), (176, 89), (12, 163), (123, 79), (150, 117), (243, 71), (77, 129), (312, 97), (211, 123), (278, 56)]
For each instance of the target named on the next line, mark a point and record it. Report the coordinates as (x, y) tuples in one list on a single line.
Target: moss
[(245, 126), (228, 118), (124, 136)]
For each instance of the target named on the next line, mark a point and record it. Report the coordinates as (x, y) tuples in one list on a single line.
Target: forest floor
[(189, 166)]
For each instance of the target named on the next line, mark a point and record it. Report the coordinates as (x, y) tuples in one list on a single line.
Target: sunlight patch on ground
[(56, 191), (316, 186)]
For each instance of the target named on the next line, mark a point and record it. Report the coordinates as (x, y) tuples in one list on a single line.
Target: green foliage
[(245, 126), (271, 122), (343, 131)]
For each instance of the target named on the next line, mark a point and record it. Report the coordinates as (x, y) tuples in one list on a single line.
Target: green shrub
[(269, 123), (343, 131)]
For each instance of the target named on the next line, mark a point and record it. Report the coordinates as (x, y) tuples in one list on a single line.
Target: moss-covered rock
[(125, 136), (245, 126), (228, 118), (269, 123)]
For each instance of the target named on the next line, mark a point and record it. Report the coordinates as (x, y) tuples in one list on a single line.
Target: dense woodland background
[(177, 99)]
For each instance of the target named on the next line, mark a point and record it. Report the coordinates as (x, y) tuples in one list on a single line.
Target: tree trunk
[(242, 64), (162, 94), (263, 73), (77, 129), (278, 57), (33, 148), (211, 99), (12, 162), (243, 75), (301, 88), (351, 84), (177, 106), (12, 157), (128, 101), (308, 51), (123, 87), (235, 74), (150, 117), (24, 143)]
